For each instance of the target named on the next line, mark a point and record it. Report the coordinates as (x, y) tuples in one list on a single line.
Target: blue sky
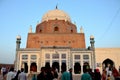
[(100, 18)]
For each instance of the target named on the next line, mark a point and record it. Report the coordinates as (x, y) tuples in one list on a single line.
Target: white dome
[(56, 14), (18, 37), (91, 37)]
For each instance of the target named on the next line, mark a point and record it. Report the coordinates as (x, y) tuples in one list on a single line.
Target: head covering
[(97, 70)]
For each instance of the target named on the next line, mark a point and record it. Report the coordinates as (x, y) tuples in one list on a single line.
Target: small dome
[(91, 37), (18, 37), (56, 14)]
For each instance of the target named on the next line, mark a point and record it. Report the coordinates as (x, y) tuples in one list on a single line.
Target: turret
[(18, 41), (81, 30), (30, 30)]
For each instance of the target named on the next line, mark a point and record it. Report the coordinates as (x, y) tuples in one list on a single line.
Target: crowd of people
[(48, 73), (51, 73), (109, 73), (12, 74)]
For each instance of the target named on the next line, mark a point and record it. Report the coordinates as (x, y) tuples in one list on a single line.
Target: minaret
[(92, 42), (18, 41), (81, 30), (30, 30)]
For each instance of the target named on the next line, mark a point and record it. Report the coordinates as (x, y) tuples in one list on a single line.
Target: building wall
[(29, 52), (6, 65), (76, 40), (56, 33), (107, 53), (41, 59), (52, 52)]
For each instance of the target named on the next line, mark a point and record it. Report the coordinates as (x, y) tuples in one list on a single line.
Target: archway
[(108, 63), (86, 66), (40, 31), (55, 65), (63, 67), (71, 31), (33, 67), (47, 65), (56, 28), (26, 67), (77, 68)]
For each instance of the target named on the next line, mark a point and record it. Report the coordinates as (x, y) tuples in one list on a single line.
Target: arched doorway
[(40, 31), (56, 28), (26, 67), (33, 67), (63, 66), (86, 66), (55, 65), (71, 31), (108, 63), (47, 65), (77, 68)]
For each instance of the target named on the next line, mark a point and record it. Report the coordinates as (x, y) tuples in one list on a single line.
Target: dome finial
[(56, 6)]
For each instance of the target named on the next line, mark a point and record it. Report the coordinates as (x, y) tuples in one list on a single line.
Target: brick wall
[(73, 40), (65, 36)]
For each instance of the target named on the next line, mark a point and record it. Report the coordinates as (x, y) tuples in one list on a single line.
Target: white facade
[(51, 55)]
